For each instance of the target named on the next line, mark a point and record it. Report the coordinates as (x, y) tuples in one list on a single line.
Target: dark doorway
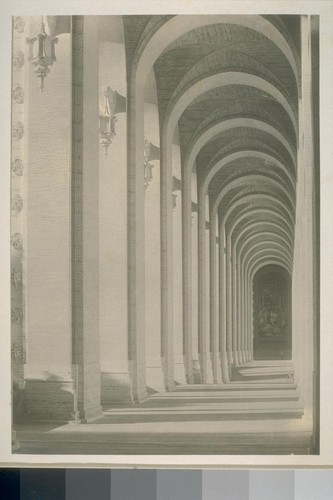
[(272, 313)]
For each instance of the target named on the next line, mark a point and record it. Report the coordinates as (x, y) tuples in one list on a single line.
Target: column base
[(116, 388), (155, 378), (224, 368), (88, 388), (242, 356), (138, 381), (88, 415), (236, 358), (217, 375), (197, 378), (179, 373), (230, 363), (168, 373), (188, 362), (206, 369), (210, 378)]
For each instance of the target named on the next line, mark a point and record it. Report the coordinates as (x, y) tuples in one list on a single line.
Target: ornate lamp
[(151, 153), (174, 200), (114, 103), (42, 53), (176, 186)]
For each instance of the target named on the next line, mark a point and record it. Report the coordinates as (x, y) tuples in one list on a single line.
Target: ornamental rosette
[(17, 204), (19, 24), (18, 94), (18, 59), (16, 315), (17, 241), (18, 130), (17, 167)]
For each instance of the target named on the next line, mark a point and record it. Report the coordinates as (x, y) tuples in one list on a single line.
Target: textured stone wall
[(18, 199), (48, 372)]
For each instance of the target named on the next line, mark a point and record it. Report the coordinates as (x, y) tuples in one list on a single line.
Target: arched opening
[(184, 287), (272, 314)]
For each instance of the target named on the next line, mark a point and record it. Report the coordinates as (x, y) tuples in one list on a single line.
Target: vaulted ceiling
[(241, 106)]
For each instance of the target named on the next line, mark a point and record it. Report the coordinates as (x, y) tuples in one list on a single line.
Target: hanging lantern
[(106, 128), (148, 174), (114, 103), (174, 200), (42, 53), (151, 153)]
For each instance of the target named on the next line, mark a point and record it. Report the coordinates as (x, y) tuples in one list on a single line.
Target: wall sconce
[(174, 201), (151, 153), (114, 103), (176, 186), (42, 53)]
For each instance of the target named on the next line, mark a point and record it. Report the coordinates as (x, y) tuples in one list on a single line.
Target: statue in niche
[(273, 312)]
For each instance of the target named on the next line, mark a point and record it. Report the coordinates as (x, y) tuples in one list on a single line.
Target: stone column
[(238, 311), (235, 330), (115, 376), (50, 385), (189, 265), (228, 292), (167, 269), (154, 371), (178, 341), (85, 217), (136, 237), (214, 298), (222, 306), (217, 308), (209, 348), (247, 333), (203, 290), (240, 308), (248, 291), (194, 298)]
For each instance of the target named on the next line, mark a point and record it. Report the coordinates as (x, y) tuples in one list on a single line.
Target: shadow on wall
[(39, 400)]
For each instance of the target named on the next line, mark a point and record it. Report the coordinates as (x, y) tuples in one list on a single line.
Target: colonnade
[(138, 271)]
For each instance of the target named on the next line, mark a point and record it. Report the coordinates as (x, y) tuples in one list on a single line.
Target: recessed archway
[(272, 314)]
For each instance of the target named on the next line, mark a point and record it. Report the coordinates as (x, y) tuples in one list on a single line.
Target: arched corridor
[(176, 242), (272, 314)]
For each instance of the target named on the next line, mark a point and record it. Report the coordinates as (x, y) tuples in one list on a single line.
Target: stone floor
[(261, 414)]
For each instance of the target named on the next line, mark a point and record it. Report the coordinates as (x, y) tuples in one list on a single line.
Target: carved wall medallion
[(16, 278), (18, 130), (18, 95), (17, 204), (17, 167), (18, 59), (17, 241), (19, 24), (17, 352), (17, 315)]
